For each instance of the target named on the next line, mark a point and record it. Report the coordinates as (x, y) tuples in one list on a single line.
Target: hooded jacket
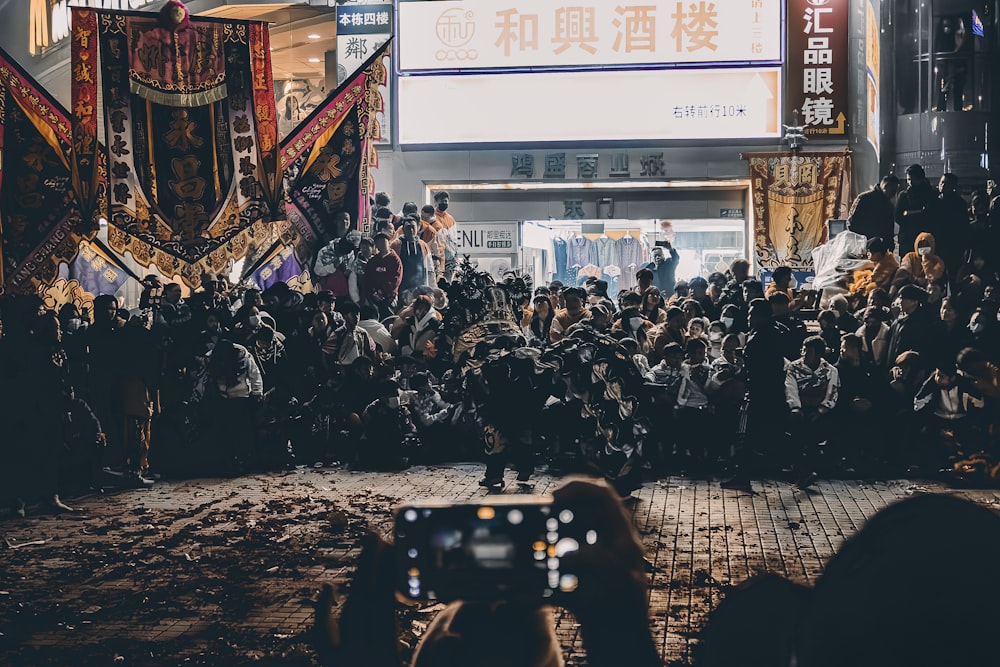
[(927, 269)]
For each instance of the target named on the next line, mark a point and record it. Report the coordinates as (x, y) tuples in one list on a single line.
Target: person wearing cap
[(872, 212), (566, 317), (916, 208), (914, 328), (556, 288)]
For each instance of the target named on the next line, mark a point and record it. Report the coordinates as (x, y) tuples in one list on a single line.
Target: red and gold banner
[(793, 195), (327, 159), (190, 134), (40, 222)]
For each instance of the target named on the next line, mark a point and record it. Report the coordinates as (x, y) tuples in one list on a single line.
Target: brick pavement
[(222, 571)]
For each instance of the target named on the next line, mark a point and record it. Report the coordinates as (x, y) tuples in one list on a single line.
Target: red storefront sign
[(817, 66)]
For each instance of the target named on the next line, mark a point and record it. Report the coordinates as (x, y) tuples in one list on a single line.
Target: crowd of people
[(391, 362)]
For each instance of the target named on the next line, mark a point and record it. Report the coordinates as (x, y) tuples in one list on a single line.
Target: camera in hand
[(504, 550)]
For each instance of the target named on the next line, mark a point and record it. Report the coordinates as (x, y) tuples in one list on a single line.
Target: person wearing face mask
[(448, 237), (716, 332), (432, 233), (985, 335), (540, 323), (923, 267), (415, 256), (734, 318)]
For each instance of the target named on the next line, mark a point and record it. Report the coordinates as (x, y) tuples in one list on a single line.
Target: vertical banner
[(40, 222), (362, 29), (327, 160), (190, 134), (793, 195), (873, 66), (817, 66)]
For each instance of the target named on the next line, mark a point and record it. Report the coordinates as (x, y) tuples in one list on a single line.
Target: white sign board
[(484, 34), (487, 238), (525, 107)]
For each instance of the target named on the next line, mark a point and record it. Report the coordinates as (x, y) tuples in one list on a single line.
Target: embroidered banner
[(794, 194), (40, 221), (190, 131), (327, 160)]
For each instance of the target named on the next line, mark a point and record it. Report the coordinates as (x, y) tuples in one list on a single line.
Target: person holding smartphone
[(609, 602)]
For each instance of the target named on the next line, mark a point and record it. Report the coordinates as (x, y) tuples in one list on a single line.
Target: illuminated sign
[(873, 68), (515, 107), (50, 21), (504, 34), (487, 238), (817, 65)]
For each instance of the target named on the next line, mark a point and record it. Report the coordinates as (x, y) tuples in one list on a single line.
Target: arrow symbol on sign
[(841, 119)]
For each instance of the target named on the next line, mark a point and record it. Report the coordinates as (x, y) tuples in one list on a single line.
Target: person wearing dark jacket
[(872, 212), (916, 208), (664, 268), (953, 223), (915, 327)]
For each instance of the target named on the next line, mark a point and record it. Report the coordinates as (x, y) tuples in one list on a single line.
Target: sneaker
[(490, 482), (137, 481), (523, 476)]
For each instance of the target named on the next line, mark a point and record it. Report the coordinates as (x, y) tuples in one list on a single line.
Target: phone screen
[(483, 552)]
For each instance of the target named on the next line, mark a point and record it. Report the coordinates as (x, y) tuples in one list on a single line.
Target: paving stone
[(187, 568)]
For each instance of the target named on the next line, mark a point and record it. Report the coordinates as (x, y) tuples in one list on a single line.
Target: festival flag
[(96, 270), (327, 160), (40, 222), (793, 195), (277, 265), (190, 134)]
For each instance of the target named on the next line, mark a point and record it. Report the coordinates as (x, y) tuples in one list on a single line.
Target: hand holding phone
[(506, 549)]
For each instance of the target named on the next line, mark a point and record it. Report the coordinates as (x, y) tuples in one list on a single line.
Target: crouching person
[(812, 385), (230, 388)]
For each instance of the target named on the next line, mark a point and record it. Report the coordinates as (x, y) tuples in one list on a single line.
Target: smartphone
[(504, 549)]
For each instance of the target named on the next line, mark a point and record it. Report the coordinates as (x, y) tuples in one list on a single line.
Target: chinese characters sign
[(692, 104), (817, 66), (361, 30), (488, 238), (443, 35)]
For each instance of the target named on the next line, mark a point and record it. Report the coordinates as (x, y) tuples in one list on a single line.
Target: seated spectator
[(846, 321), (417, 328), (390, 435), (698, 328), (885, 265), (916, 327), (716, 333), (370, 323), (948, 407), (671, 331), (923, 268), (652, 306), (348, 342), (566, 317), (874, 335), (861, 436), (830, 334)]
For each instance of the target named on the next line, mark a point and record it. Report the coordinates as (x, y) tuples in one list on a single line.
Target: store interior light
[(313, 36), (314, 60)]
